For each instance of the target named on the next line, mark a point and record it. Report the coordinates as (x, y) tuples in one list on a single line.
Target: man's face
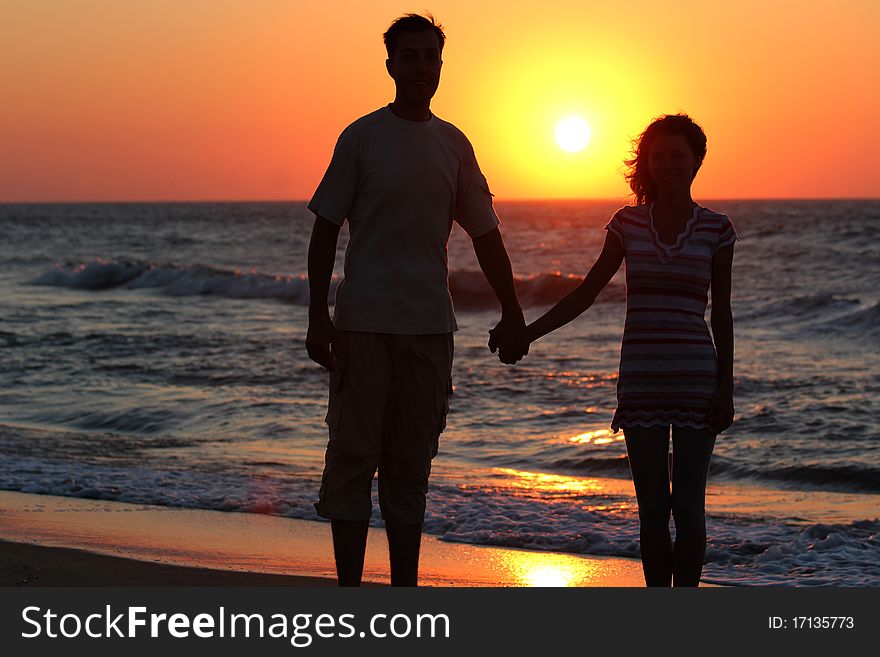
[(416, 66)]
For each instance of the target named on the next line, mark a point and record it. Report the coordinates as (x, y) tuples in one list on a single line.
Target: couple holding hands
[(400, 176)]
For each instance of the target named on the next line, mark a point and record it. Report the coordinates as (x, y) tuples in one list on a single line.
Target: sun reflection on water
[(544, 482), (597, 437), (577, 380)]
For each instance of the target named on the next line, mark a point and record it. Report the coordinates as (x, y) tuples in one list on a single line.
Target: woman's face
[(671, 163)]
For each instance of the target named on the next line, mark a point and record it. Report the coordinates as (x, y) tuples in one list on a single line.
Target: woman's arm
[(721, 415), (582, 297)]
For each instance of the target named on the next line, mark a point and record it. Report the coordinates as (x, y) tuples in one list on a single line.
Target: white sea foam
[(812, 555)]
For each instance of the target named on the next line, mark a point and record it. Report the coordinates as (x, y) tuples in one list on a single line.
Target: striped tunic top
[(668, 368)]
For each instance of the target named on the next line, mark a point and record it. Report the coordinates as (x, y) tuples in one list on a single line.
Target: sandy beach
[(26, 564), (57, 541)]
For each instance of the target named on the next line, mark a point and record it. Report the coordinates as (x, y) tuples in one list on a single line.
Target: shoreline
[(59, 541)]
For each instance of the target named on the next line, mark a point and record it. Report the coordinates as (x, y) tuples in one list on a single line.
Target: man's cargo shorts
[(389, 396)]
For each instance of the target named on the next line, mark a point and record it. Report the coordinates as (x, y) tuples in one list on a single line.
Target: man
[(400, 175)]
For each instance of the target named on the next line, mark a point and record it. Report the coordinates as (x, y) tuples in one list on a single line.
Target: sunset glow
[(127, 101)]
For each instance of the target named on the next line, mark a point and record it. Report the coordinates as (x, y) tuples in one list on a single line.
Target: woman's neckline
[(667, 248)]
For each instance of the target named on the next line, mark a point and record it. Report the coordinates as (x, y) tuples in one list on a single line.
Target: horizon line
[(617, 199)]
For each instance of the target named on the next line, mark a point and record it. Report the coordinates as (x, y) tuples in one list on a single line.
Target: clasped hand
[(510, 340)]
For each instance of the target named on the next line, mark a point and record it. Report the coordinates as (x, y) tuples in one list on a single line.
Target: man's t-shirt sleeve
[(473, 200), (335, 195)]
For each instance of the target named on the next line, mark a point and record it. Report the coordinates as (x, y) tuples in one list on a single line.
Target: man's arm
[(495, 264), (322, 255)]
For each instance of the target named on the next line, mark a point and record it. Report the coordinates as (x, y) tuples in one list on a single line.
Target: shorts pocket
[(444, 411), (444, 406), (334, 405)]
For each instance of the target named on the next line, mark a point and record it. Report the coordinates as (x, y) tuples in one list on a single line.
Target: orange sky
[(221, 99)]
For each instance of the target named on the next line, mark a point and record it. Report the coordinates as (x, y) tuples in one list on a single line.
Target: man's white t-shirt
[(401, 184)]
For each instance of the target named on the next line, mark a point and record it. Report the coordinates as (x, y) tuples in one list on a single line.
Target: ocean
[(154, 353)]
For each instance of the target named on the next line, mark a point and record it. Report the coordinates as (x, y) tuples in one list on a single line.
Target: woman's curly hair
[(638, 176)]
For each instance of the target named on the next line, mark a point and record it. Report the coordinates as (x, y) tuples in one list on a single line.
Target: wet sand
[(58, 541)]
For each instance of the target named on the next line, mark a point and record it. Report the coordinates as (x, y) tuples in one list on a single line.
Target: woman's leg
[(691, 454), (648, 452)]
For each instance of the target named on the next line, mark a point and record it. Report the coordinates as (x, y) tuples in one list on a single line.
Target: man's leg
[(358, 396), (416, 415), (349, 548), (648, 451), (691, 455), (404, 545)]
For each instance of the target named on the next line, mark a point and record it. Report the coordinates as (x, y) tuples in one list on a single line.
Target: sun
[(572, 134)]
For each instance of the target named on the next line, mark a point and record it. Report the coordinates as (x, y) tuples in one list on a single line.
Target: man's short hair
[(412, 23)]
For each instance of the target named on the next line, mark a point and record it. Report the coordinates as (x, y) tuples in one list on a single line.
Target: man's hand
[(508, 331), (495, 264), (515, 347), (319, 340), (497, 336), (322, 251)]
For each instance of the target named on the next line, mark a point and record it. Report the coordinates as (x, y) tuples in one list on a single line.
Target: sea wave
[(469, 289), (615, 466), (847, 477), (860, 322), (176, 280), (805, 307), (822, 315)]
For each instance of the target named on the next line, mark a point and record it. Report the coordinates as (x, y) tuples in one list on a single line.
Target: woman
[(671, 373)]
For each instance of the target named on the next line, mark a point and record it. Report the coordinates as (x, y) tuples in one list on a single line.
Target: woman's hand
[(721, 410)]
